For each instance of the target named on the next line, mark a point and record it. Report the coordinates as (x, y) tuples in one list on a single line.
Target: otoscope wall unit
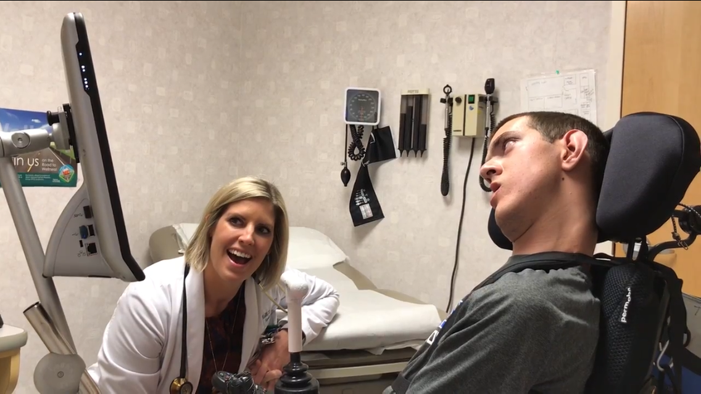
[(413, 121), (469, 115)]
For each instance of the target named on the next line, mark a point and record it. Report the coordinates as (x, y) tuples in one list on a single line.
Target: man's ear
[(574, 144)]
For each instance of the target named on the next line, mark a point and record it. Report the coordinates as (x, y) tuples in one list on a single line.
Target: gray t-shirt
[(528, 332)]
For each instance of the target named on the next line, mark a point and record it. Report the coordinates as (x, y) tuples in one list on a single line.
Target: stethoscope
[(181, 385)]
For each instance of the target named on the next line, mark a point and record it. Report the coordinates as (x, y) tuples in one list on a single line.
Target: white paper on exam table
[(371, 321), (571, 92)]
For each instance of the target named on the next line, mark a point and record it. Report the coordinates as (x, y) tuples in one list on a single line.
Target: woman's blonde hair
[(198, 249)]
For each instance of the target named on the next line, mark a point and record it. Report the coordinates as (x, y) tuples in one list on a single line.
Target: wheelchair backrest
[(653, 158)]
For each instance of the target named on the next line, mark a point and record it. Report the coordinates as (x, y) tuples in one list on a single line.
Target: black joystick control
[(296, 379)]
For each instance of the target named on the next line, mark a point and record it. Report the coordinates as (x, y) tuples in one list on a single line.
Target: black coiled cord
[(356, 144), (445, 177)]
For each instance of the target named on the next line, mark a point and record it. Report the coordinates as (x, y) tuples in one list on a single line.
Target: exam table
[(375, 332), (11, 340)]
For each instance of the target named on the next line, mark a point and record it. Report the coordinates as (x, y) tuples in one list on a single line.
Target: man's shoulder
[(540, 326), (553, 292), (540, 283)]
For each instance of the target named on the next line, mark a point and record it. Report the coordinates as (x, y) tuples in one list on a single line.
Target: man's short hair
[(554, 125)]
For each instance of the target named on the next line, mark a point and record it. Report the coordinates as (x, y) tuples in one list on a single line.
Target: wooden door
[(662, 73)]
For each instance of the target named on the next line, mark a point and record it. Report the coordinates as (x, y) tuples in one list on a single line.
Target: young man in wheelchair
[(535, 330)]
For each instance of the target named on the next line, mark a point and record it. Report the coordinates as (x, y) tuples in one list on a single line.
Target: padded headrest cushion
[(653, 158)]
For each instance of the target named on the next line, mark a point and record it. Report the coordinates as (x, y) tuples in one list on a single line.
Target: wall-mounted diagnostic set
[(413, 121), (469, 115), (466, 115)]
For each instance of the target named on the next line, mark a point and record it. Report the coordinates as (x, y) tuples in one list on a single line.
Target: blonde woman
[(230, 273)]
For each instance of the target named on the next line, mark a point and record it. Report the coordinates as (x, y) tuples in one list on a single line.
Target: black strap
[(543, 261), (400, 385), (675, 330), (661, 379), (689, 361), (183, 353)]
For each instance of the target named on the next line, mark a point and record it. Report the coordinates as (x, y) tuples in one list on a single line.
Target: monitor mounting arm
[(46, 316), (90, 237)]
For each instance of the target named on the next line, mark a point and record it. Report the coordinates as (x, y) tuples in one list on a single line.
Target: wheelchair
[(653, 159)]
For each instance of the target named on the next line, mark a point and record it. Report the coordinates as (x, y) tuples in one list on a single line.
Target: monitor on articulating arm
[(90, 237)]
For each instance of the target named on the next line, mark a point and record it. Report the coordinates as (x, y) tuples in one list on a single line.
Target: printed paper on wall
[(49, 167)]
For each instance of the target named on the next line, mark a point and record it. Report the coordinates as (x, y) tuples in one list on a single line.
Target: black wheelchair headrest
[(653, 158)]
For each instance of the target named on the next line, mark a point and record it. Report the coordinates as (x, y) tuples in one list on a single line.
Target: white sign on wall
[(572, 92)]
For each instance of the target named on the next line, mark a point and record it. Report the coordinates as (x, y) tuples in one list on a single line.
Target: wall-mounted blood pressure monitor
[(362, 106)]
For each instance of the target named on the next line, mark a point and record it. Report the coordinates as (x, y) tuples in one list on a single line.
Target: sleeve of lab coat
[(129, 359), (319, 305)]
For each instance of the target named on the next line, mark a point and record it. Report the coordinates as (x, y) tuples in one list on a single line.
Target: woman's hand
[(267, 369)]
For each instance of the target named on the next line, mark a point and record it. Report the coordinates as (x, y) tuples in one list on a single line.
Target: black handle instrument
[(448, 101)]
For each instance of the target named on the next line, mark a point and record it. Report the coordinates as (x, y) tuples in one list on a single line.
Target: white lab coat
[(141, 348)]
